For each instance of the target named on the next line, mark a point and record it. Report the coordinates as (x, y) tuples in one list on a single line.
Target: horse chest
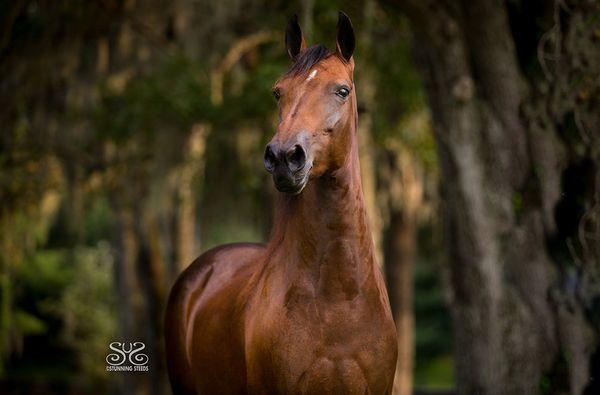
[(315, 346), (324, 330)]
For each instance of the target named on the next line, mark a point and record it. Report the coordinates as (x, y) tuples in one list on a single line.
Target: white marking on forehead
[(311, 75)]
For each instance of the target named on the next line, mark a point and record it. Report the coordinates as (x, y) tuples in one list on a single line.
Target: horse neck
[(325, 228)]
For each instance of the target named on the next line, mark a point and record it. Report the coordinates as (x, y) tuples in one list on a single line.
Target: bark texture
[(518, 329)]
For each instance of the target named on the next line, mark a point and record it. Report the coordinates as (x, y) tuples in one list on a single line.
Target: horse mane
[(308, 58)]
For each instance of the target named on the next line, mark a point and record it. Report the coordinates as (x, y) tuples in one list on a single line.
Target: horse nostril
[(296, 157), (270, 159)]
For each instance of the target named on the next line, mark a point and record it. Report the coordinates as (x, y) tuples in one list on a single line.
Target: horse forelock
[(308, 58)]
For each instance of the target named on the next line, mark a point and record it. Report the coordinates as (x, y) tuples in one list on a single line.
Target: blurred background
[(132, 136)]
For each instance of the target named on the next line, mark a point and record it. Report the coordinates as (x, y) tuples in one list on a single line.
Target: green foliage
[(99, 220), (174, 94), (399, 90), (67, 296), (437, 373), (434, 364), (433, 331), (45, 274), (253, 101), (35, 283), (28, 324), (416, 134), (87, 308)]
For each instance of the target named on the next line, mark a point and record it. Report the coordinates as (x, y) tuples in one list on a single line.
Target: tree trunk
[(514, 333), (401, 187), (128, 288), (307, 7), (186, 234), (186, 223), (366, 103), (399, 262), (151, 268)]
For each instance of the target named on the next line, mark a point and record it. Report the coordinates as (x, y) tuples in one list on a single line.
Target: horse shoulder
[(204, 320)]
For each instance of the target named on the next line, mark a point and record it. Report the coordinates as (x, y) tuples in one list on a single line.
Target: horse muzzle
[(289, 166)]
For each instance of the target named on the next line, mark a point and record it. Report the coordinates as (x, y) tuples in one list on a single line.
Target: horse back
[(204, 321)]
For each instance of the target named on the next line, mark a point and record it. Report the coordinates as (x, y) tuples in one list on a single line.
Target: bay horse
[(307, 313)]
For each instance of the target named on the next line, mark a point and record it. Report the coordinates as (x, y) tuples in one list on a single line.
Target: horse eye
[(277, 94), (343, 92)]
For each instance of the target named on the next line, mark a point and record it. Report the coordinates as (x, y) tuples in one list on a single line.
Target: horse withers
[(308, 312)]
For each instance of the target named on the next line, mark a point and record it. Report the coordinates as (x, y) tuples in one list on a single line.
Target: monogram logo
[(127, 356)]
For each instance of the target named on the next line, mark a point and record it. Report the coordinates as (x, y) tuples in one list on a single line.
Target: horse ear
[(294, 42), (345, 37)]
